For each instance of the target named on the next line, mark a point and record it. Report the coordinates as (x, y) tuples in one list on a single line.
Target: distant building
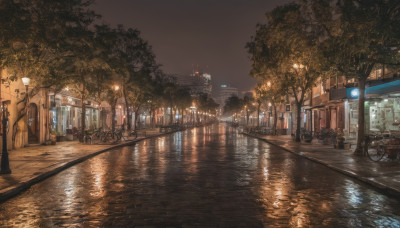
[(226, 91), (198, 82)]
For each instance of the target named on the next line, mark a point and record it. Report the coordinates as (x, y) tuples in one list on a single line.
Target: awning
[(390, 87)]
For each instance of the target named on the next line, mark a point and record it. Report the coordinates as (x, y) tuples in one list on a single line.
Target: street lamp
[(268, 83), (116, 87), (298, 66), (26, 81), (5, 165)]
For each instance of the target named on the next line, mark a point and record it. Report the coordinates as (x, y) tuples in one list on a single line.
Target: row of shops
[(48, 113), (337, 108)]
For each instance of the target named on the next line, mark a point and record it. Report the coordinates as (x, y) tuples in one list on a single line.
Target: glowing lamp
[(26, 81)]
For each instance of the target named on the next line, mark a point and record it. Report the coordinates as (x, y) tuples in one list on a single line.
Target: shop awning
[(375, 91), (390, 87)]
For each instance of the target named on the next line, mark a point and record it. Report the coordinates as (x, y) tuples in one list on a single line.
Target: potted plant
[(339, 139), (53, 138), (59, 136)]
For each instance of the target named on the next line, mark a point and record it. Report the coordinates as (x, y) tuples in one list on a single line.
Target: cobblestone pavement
[(32, 164), (384, 175), (203, 177)]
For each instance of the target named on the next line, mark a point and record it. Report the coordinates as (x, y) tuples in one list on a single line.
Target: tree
[(136, 60), (89, 67), (249, 105), (33, 42), (286, 49), (183, 100), (357, 36), (205, 105), (233, 105), (271, 93)]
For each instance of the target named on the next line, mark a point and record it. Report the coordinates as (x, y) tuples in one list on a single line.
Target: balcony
[(337, 94)]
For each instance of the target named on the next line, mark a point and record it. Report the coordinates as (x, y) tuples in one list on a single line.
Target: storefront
[(382, 108), (66, 113)]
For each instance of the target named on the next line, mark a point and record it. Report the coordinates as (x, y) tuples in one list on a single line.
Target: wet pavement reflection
[(204, 177)]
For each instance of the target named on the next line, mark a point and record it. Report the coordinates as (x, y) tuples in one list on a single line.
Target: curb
[(12, 191), (379, 186)]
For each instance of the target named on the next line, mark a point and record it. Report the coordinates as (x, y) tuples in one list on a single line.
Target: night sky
[(183, 33)]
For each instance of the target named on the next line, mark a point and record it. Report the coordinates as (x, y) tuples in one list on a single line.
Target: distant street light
[(116, 87), (269, 84), (298, 66)]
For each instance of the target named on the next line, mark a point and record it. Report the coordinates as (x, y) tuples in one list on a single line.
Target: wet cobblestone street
[(203, 177)]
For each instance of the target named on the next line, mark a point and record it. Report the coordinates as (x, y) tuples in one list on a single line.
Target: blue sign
[(352, 93)]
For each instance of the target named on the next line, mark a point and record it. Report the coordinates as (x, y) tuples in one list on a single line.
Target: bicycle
[(96, 135), (374, 146), (116, 135), (378, 146)]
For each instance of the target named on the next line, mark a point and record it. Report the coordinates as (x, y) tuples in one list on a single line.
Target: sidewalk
[(384, 175), (33, 164)]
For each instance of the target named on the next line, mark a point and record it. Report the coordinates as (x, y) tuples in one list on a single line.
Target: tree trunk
[(170, 116), (128, 113), (47, 127), (298, 119), (136, 117), (258, 115), (361, 118), (275, 121), (182, 110), (247, 118), (83, 114), (113, 116)]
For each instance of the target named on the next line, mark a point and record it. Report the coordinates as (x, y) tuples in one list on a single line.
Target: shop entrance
[(33, 124)]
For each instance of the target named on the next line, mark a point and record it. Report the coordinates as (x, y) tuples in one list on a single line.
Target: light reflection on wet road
[(205, 177)]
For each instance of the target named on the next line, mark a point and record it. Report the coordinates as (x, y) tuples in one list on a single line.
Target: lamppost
[(25, 81), (5, 165)]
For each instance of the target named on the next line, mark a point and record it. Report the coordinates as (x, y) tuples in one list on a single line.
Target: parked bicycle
[(377, 146), (97, 134), (112, 136)]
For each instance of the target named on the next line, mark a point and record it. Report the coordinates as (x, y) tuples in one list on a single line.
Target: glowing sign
[(354, 93)]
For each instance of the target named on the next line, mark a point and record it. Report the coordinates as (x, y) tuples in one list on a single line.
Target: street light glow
[(26, 81)]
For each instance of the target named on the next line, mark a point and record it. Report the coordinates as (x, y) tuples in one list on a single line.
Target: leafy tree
[(170, 88), (183, 100), (89, 67), (206, 104), (33, 42), (233, 105), (271, 93), (286, 49), (249, 105), (357, 36), (137, 65)]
